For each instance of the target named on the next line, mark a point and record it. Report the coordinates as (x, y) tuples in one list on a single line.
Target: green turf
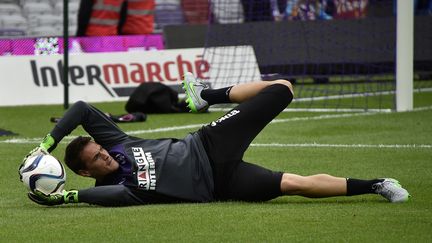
[(366, 218), (378, 97)]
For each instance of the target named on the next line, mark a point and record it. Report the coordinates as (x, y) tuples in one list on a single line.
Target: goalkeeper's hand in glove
[(54, 199), (47, 143), (35, 152)]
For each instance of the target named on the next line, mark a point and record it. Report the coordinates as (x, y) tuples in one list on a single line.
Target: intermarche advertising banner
[(103, 77)]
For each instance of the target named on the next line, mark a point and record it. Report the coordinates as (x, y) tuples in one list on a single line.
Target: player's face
[(97, 161)]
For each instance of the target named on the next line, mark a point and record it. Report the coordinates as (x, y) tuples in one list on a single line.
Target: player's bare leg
[(321, 185), (242, 92)]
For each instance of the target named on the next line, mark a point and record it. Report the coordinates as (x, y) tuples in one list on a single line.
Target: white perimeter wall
[(100, 77)]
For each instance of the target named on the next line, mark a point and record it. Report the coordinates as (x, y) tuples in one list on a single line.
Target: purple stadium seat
[(5, 47), (23, 47)]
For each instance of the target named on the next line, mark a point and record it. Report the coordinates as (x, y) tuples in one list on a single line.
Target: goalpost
[(361, 64), (404, 55)]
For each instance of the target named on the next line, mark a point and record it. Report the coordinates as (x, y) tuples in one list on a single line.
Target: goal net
[(340, 57)]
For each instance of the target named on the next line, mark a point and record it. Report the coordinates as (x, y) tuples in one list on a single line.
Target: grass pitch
[(303, 143)]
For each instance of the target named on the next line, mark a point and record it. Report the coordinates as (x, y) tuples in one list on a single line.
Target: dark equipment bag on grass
[(155, 98)]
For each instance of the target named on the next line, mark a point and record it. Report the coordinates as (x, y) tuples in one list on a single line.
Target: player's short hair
[(73, 153)]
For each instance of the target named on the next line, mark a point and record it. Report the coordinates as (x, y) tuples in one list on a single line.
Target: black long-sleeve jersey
[(150, 171)]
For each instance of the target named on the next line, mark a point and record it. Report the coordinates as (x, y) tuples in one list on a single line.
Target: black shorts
[(227, 138)]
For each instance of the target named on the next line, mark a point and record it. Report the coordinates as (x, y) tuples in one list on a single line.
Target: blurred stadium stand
[(44, 18), (32, 17), (36, 17), (168, 12)]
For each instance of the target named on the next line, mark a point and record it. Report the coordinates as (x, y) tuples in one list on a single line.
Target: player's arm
[(112, 195), (96, 123)]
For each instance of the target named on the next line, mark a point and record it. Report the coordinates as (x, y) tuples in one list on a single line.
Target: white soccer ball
[(44, 173)]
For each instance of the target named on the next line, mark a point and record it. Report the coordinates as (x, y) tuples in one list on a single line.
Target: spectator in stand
[(257, 10), (301, 9), (350, 9), (428, 7), (227, 12), (114, 17), (196, 11)]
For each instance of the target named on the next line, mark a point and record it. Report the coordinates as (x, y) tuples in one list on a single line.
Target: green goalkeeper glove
[(48, 143), (54, 199)]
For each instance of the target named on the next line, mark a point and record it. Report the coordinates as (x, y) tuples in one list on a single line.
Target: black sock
[(358, 187), (216, 96)]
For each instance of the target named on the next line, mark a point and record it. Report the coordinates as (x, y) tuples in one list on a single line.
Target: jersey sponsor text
[(223, 118), (146, 174)]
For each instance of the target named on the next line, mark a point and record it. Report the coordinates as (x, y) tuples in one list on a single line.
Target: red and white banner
[(100, 77)]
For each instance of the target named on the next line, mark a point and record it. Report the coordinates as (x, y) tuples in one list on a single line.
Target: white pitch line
[(323, 145), (279, 145), (177, 128)]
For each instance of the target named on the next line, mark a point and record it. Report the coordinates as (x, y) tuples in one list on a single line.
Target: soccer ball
[(44, 173)]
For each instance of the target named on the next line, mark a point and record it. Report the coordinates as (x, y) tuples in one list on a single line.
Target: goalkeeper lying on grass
[(205, 166)]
